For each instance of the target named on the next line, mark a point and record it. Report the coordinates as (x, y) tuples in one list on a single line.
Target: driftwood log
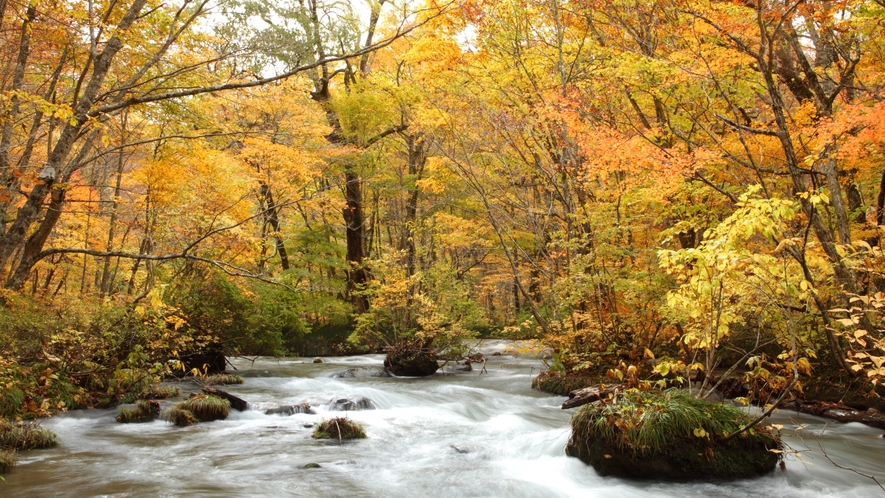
[(590, 394), (838, 412), (235, 402)]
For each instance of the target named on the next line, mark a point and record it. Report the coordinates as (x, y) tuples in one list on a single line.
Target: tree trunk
[(271, 217)]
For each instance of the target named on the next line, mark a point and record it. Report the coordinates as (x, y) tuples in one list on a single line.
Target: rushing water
[(460, 435)]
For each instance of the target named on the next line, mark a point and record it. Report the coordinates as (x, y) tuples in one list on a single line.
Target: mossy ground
[(670, 435), (562, 384), (339, 428)]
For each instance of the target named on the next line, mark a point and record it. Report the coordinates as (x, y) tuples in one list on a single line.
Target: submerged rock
[(350, 404), (363, 373), (289, 409), (411, 363), (670, 436)]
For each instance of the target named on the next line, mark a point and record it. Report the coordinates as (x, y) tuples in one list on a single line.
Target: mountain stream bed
[(464, 434)]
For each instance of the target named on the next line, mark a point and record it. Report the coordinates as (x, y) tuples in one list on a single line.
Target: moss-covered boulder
[(562, 384), (144, 411), (670, 435), (411, 363), (198, 408), (206, 408), (339, 428)]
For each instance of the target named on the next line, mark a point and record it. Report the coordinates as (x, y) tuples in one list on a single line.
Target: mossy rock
[(144, 411), (198, 408), (224, 379), (180, 417), (26, 437), (411, 363), (671, 436), (206, 408), (562, 384), (7, 461), (339, 428)]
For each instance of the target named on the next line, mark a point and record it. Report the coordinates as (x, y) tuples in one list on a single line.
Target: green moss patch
[(25, 437), (670, 435), (339, 428)]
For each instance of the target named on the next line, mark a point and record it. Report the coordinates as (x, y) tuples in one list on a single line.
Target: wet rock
[(318, 360), (411, 363), (351, 404), (463, 448), (311, 466), (363, 373), (289, 409)]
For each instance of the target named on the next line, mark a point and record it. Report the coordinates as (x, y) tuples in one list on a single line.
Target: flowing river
[(459, 435)]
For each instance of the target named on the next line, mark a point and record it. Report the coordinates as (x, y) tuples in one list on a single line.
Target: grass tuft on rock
[(206, 408), (144, 411), (339, 428), (7, 461), (670, 435), (25, 437), (179, 416), (224, 379)]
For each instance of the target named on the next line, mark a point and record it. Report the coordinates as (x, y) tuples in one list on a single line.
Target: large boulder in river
[(670, 435), (411, 363), (290, 409)]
